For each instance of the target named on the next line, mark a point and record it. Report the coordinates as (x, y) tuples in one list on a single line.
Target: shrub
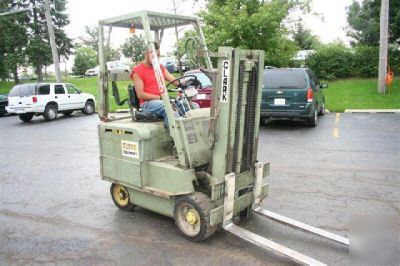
[(366, 61), (394, 60), (332, 61)]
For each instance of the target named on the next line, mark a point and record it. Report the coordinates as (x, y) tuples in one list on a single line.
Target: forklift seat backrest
[(115, 92), (133, 99)]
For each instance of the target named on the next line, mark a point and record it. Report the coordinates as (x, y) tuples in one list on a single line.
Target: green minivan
[(292, 93)]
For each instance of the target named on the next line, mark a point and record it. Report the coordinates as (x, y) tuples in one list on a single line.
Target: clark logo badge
[(225, 81), (130, 149)]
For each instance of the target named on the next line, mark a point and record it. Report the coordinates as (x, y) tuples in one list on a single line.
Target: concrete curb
[(389, 111)]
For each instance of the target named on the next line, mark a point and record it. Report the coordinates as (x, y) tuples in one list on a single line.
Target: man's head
[(147, 57)]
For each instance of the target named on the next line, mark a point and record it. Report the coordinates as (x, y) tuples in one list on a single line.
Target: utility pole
[(52, 38), (383, 46)]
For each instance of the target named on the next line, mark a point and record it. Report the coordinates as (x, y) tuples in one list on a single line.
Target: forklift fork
[(263, 242)]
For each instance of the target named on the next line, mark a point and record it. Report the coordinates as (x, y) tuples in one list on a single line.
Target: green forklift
[(202, 170)]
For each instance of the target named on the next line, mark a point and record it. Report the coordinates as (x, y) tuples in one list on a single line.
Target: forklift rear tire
[(120, 196), (192, 216)]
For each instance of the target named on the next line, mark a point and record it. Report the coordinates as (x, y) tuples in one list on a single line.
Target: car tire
[(121, 198), (26, 117), (192, 216), (312, 121), (263, 121), (50, 112), (89, 108), (67, 113), (322, 111)]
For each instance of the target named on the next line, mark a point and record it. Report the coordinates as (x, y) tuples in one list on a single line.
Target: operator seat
[(138, 114), (134, 104)]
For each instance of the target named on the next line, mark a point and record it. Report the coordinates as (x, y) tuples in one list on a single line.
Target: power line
[(13, 10)]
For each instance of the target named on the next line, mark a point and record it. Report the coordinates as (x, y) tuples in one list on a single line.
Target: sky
[(89, 12)]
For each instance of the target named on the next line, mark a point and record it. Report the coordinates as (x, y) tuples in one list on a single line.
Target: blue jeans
[(156, 107)]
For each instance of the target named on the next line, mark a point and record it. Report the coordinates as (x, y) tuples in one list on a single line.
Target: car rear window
[(204, 80), (44, 90), (284, 79), (23, 90)]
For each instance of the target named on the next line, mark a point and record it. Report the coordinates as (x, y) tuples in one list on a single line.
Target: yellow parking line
[(337, 119), (336, 133), (336, 129)]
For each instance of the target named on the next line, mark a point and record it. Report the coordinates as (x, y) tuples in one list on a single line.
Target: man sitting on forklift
[(146, 85)]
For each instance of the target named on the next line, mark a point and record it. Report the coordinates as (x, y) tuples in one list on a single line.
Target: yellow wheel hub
[(121, 195), (192, 217)]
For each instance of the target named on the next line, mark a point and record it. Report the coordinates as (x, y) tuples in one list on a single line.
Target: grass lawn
[(360, 94), (341, 94)]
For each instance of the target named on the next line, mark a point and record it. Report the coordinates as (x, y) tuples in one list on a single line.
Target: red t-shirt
[(146, 74)]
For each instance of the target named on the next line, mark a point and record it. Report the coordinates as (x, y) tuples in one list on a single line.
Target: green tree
[(252, 24), (85, 58), (364, 18), (303, 37), (91, 39), (113, 54), (133, 48), (12, 41), (38, 48)]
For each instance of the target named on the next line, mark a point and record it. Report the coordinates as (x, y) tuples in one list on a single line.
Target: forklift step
[(301, 226), (271, 245)]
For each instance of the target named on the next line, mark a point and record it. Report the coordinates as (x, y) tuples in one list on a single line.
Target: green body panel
[(194, 133), (153, 203), (168, 177)]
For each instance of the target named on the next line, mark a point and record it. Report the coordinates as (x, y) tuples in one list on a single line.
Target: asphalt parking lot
[(54, 208)]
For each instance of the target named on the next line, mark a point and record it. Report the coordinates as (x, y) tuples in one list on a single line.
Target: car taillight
[(310, 95), (34, 99)]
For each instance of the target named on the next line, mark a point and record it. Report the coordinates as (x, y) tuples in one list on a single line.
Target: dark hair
[(156, 45)]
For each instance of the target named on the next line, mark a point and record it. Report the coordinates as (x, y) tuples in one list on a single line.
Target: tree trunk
[(39, 73), (15, 74)]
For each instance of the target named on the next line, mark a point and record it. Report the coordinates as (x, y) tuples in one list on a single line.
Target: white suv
[(48, 99)]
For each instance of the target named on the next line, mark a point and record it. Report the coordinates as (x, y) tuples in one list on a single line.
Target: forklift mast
[(235, 111)]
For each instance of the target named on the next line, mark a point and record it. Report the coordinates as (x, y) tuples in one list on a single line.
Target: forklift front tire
[(192, 216), (120, 196)]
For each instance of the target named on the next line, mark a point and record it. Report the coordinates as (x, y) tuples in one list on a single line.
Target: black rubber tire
[(26, 117), (67, 113), (129, 206), (48, 116), (322, 111), (312, 121), (263, 121), (203, 205), (89, 108)]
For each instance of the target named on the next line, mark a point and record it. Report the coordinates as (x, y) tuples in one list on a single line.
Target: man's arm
[(170, 77), (139, 87)]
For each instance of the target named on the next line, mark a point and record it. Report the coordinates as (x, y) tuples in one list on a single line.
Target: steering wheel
[(192, 81)]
